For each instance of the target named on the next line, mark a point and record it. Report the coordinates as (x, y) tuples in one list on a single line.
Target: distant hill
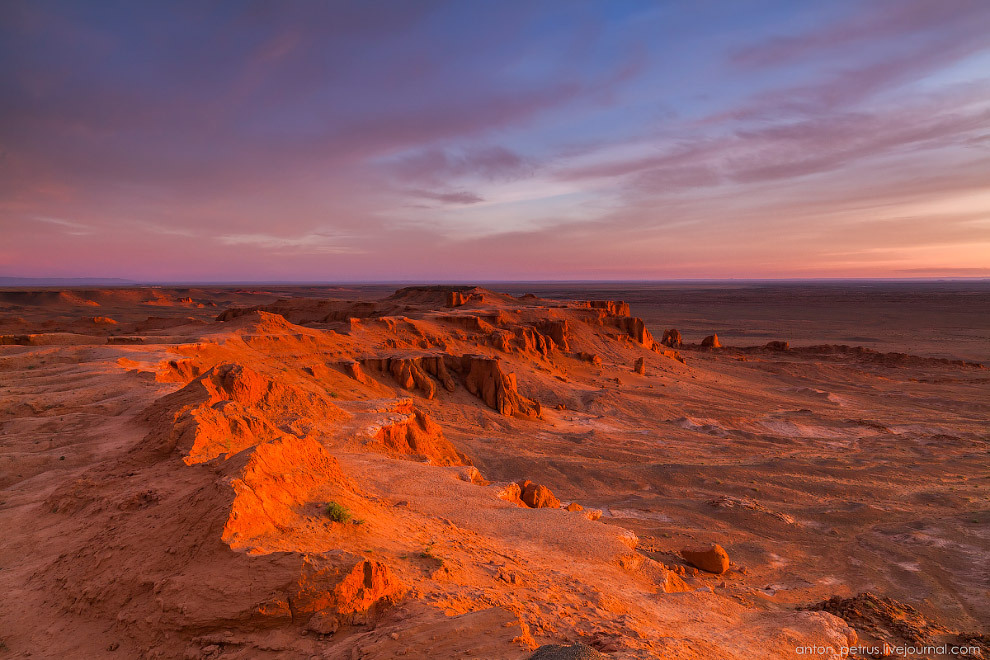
[(64, 281)]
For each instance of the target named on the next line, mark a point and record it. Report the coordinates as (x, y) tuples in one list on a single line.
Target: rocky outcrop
[(558, 331), (486, 380), (613, 307), (412, 434), (458, 298), (777, 346), (671, 338), (713, 559), (414, 373), (265, 500), (354, 370), (230, 408), (536, 496), (635, 328), (640, 366), (711, 341), (591, 358), (469, 322), (407, 372), (343, 591), (531, 340), (880, 620)]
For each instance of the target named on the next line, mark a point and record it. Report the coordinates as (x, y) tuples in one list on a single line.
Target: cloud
[(457, 197), (72, 228), (492, 163), (448, 139), (891, 20), (312, 243)]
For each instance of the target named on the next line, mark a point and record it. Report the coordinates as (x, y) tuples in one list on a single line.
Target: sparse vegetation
[(428, 553), (337, 512)]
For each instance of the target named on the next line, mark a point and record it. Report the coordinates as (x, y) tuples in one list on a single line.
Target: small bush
[(337, 512)]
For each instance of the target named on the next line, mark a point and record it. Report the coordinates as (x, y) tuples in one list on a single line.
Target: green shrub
[(337, 512)]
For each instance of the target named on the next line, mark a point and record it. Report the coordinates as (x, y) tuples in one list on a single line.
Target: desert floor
[(167, 456)]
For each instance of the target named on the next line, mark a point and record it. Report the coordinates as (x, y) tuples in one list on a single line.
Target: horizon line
[(11, 281)]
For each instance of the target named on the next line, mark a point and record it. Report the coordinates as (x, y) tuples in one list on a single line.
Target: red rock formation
[(671, 338), (353, 369), (469, 322), (407, 372), (614, 307), (344, 590), (511, 492), (530, 340), (558, 331), (635, 328), (640, 366), (713, 559), (231, 407), (536, 496), (486, 380), (458, 298), (592, 358), (667, 352), (711, 341), (777, 346), (436, 366), (177, 371), (416, 436), (279, 476)]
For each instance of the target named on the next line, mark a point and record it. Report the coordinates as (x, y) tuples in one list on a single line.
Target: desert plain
[(341, 472)]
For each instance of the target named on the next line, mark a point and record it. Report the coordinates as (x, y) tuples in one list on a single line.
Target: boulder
[(510, 492), (323, 623), (640, 367), (671, 338), (591, 358), (711, 341), (574, 506), (713, 559), (536, 496), (777, 346)]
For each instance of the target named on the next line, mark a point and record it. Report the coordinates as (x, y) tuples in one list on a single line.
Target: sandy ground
[(165, 474)]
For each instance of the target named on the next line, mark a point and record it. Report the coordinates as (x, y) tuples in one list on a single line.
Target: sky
[(494, 140)]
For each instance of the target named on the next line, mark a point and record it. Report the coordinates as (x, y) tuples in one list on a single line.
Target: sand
[(166, 474)]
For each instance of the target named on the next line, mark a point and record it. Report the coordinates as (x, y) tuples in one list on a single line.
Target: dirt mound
[(410, 433), (232, 407), (885, 625)]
